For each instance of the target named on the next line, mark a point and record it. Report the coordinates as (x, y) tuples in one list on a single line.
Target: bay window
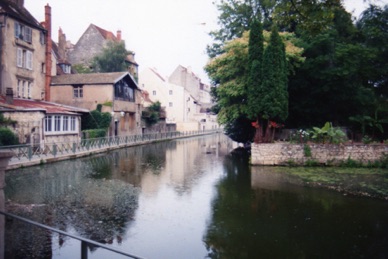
[(60, 124)]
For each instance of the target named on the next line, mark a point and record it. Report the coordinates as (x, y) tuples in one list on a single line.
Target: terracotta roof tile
[(48, 107)]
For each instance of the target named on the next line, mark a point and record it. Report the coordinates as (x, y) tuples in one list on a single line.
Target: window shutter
[(19, 57), (28, 34), (29, 60)]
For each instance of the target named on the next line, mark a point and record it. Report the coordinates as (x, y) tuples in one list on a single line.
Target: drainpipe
[(48, 52), (2, 24)]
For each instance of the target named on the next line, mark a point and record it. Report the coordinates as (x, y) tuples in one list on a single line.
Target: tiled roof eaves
[(22, 14)]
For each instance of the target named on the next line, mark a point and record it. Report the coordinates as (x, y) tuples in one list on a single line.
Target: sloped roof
[(106, 34), (19, 13), (36, 105), (90, 79)]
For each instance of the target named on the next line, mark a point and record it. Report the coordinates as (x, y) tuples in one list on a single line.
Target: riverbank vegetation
[(338, 70)]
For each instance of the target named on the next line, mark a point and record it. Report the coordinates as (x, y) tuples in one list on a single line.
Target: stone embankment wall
[(329, 154)]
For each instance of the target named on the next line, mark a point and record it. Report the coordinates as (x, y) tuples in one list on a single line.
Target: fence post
[(54, 150), (84, 250), (29, 153)]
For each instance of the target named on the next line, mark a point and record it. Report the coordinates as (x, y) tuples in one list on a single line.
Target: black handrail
[(84, 241)]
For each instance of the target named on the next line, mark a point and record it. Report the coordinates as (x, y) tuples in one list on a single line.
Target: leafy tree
[(331, 85), (236, 17), (229, 74), (255, 61), (82, 69), (373, 25), (96, 120), (272, 92), (7, 137), (152, 113), (112, 58)]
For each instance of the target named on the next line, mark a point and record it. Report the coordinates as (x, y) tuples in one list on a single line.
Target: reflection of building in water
[(183, 164)]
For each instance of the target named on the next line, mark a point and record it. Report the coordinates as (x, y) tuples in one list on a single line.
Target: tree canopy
[(112, 58)]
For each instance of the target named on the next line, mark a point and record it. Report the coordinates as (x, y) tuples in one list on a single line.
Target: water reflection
[(267, 214), (188, 198), (98, 197)]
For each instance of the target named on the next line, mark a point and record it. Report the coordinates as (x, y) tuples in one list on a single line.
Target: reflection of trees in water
[(296, 223)]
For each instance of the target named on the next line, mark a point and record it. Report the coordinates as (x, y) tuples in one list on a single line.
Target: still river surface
[(188, 198)]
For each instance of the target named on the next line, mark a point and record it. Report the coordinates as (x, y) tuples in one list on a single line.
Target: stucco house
[(25, 73), (117, 92), (181, 107)]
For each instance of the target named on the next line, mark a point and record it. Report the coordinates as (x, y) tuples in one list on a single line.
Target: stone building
[(92, 42), (117, 92), (26, 58)]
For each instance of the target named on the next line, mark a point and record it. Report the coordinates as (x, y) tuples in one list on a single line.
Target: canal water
[(187, 198)]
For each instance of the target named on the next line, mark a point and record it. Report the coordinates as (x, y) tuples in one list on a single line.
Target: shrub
[(7, 137), (94, 133)]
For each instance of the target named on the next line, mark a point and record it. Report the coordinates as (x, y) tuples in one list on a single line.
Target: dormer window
[(66, 68)]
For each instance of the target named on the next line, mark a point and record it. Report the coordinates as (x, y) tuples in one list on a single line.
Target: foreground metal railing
[(84, 241), (49, 150)]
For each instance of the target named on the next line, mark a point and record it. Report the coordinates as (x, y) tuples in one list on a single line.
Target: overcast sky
[(162, 33)]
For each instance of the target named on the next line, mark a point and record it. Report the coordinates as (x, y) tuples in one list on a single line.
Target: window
[(65, 123), (24, 88), (170, 92), (48, 123), (66, 68), (154, 92), (29, 89), (24, 58), (170, 104), (78, 92), (57, 123), (72, 124), (60, 124), (23, 32)]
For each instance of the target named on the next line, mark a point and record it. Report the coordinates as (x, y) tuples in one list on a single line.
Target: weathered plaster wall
[(284, 153)]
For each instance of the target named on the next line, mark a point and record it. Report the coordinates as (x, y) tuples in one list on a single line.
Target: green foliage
[(273, 89), (373, 27), (6, 121), (96, 120), (82, 69), (230, 74), (307, 150), (336, 65), (7, 137), (255, 63), (95, 133), (152, 113), (112, 58), (328, 134), (311, 163)]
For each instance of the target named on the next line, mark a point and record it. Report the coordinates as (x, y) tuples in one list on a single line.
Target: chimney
[(47, 22), (19, 3), (62, 45), (118, 35), (9, 95)]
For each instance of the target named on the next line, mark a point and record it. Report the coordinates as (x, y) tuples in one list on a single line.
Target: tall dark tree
[(331, 84), (236, 17), (273, 104), (373, 25), (255, 61)]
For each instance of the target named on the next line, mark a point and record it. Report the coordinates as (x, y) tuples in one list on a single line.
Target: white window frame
[(60, 124), (29, 60), (19, 57)]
